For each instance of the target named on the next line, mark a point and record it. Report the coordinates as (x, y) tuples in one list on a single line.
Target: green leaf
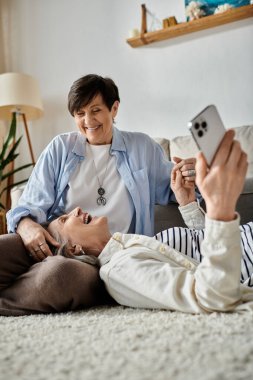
[(11, 155), (11, 136), (6, 175), (8, 154), (13, 185)]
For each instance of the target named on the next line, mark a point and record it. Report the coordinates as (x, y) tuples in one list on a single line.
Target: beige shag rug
[(117, 343)]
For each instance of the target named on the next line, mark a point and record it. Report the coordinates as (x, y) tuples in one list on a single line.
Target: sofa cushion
[(16, 193), (184, 146), (165, 144), (245, 136)]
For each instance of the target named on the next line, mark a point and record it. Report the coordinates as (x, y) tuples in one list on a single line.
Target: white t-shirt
[(99, 170)]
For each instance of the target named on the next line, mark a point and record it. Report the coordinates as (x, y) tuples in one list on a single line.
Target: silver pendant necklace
[(101, 200)]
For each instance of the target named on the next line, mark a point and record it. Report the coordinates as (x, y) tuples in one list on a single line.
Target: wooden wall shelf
[(207, 22)]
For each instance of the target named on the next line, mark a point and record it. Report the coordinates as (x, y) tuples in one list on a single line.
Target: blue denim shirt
[(140, 162)]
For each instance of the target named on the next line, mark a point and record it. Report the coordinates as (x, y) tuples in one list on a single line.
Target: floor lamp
[(20, 93)]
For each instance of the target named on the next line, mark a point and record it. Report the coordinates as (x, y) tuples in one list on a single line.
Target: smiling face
[(95, 121), (80, 228)]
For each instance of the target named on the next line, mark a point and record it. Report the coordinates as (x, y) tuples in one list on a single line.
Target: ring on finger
[(191, 173), (41, 244)]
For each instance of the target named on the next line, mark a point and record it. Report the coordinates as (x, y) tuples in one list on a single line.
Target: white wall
[(161, 85)]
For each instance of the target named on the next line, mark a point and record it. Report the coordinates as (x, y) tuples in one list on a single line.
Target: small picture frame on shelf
[(197, 9)]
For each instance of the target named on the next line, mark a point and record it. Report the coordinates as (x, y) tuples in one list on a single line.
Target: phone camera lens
[(200, 133), (196, 125), (204, 124)]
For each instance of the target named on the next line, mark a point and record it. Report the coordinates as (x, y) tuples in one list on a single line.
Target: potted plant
[(8, 154)]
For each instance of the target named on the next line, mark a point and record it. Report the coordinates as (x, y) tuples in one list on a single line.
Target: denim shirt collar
[(80, 145), (118, 143)]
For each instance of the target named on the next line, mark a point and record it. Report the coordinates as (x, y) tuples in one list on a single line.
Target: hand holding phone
[(207, 130), (222, 184)]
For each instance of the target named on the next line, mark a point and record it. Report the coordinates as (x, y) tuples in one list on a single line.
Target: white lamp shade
[(19, 92)]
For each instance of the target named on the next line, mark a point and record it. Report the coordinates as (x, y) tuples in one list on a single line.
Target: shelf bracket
[(143, 23)]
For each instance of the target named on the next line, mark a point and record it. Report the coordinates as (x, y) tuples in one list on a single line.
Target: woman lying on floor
[(139, 271)]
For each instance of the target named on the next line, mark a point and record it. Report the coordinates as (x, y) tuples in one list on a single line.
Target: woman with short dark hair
[(85, 89)]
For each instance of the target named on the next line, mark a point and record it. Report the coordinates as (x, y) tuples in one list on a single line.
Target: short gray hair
[(64, 250)]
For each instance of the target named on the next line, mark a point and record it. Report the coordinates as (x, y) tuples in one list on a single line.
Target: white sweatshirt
[(140, 271)]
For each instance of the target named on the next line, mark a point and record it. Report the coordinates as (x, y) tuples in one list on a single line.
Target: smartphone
[(207, 130)]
